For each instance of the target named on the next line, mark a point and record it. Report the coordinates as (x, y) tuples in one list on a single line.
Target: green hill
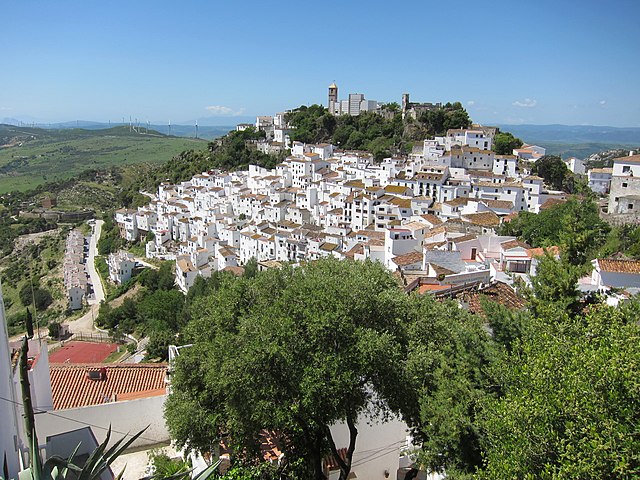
[(32, 156)]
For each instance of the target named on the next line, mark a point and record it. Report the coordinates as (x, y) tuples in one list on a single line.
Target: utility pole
[(29, 417)]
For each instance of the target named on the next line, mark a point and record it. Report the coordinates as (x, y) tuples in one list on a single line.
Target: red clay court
[(82, 352)]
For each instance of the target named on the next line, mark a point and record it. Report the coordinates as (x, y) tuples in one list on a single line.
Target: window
[(625, 185), (626, 169), (630, 206)]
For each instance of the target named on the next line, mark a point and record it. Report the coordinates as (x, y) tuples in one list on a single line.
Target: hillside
[(32, 156), (205, 131)]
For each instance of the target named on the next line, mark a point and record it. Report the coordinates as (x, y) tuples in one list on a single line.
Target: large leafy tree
[(292, 351), (553, 170), (447, 372), (504, 143), (574, 225), (554, 287), (569, 408)]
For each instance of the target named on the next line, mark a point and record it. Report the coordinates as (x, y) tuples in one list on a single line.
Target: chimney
[(97, 375)]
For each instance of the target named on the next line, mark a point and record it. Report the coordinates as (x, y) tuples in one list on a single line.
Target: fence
[(97, 337)]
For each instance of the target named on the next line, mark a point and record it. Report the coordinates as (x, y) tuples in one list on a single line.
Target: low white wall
[(124, 417), (378, 446)]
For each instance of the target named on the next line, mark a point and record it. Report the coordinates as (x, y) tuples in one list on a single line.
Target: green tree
[(568, 408), (449, 351), (504, 143), (554, 287), (574, 225), (251, 268), (161, 310), (583, 232), (38, 295), (553, 171), (293, 351), (159, 341)]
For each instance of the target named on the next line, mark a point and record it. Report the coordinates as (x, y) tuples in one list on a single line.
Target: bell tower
[(333, 96)]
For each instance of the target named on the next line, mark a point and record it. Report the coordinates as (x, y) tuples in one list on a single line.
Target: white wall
[(8, 418), (377, 446), (128, 416)]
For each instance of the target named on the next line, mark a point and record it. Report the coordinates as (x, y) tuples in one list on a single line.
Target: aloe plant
[(59, 468)]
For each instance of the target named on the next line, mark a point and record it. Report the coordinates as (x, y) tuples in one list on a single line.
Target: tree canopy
[(574, 225), (504, 143), (450, 116), (505, 394), (553, 171), (292, 351), (369, 131), (568, 404)]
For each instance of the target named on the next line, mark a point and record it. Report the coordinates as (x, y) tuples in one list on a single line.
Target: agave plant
[(59, 468)]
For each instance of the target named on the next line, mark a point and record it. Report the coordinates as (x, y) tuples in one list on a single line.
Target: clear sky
[(516, 61)]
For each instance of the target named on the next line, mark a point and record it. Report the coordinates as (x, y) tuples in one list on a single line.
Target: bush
[(41, 297), (54, 330)]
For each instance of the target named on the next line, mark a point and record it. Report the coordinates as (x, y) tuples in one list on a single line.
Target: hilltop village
[(441, 220), (432, 214)]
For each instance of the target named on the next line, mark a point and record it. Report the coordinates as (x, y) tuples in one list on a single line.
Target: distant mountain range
[(566, 140), (205, 131), (576, 140)]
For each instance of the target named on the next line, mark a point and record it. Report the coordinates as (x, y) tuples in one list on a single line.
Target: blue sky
[(512, 61)]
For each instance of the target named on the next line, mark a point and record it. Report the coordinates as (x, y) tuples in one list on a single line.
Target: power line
[(155, 440)]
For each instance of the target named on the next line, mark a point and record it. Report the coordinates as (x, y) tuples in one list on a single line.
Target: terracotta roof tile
[(540, 251), (71, 386), (551, 202), (499, 293), (619, 266), (407, 259), (485, 219), (509, 244)]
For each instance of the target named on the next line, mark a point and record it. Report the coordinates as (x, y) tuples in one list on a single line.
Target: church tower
[(333, 97)]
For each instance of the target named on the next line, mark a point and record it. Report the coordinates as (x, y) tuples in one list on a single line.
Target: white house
[(121, 265), (575, 165), (529, 153), (186, 273), (612, 273), (624, 196), (600, 179), (127, 223)]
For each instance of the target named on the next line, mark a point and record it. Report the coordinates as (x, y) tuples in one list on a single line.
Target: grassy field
[(30, 156)]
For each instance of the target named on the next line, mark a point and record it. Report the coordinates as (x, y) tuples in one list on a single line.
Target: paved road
[(91, 268), (85, 323)]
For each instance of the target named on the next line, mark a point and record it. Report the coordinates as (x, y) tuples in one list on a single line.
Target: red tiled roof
[(551, 202), (619, 266), (485, 219), (509, 244), (539, 252), (432, 219), (407, 259), (499, 293), (628, 159), (330, 462), (71, 386)]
